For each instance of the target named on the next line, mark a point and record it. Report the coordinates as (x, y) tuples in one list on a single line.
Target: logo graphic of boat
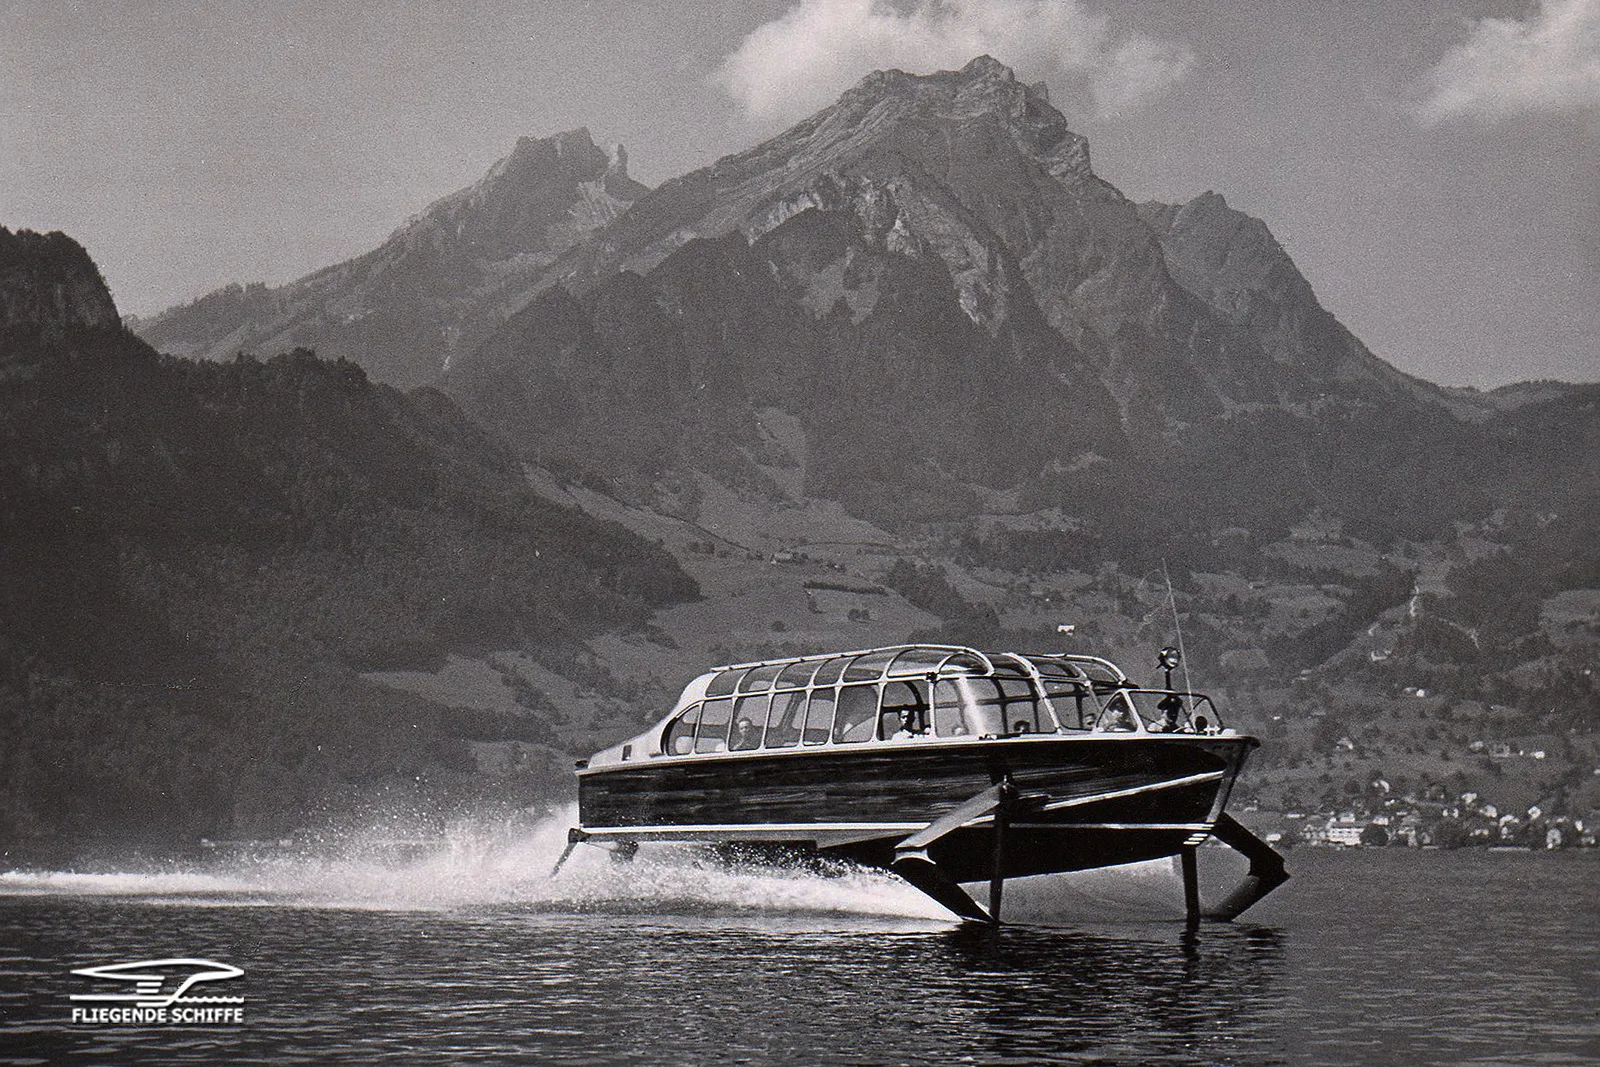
[(151, 977)]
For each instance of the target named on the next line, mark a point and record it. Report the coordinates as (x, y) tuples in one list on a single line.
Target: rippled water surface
[(473, 956)]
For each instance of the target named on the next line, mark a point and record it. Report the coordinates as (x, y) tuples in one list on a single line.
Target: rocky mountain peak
[(618, 183), (983, 90), (1233, 263), (513, 208), (440, 283), (572, 141), (571, 154), (987, 66), (1218, 253), (952, 163)]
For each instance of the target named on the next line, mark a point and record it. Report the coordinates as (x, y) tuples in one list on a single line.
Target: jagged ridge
[(438, 285)]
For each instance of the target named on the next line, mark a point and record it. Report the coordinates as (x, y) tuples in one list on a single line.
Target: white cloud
[(801, 60), (1547, 62), (1139, 68)]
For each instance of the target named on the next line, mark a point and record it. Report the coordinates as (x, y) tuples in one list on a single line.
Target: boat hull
[(1084, 801)]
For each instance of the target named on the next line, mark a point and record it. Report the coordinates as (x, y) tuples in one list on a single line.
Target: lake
[(470, 954)]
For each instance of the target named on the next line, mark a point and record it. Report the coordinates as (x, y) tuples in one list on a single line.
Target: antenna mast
[(1172, 603)]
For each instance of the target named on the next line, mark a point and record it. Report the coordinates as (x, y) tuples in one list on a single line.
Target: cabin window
[(787, 720), (723, 684), (966, 707), (712, 736), (927, 660), (1023, 713), (679, 740), (870, 666), (903, 696), (1119, 715), (796, 674), (819, 717), (749, 720), (949, 717), (760, 678), (1069, 700), (857, 714), (830, 672), (997, 706)]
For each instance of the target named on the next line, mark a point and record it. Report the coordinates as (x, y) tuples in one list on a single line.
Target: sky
[(1432, 166)]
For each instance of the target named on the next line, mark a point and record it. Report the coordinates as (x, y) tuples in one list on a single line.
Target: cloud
[(801, 60), (1547, 62)]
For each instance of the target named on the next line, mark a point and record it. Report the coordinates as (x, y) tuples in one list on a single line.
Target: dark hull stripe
[(968, 745), (820, 831), (1078, 780)]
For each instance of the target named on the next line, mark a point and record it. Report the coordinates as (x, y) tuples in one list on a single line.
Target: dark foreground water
[(472, 956)]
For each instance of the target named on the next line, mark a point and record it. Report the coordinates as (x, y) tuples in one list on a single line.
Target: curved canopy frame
[(883, 664)]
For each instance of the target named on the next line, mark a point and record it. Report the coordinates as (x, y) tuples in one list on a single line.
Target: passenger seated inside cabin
[(1171, 721), (744, 736), (909, 730), (1202, 725), (1116, 718), (1023, 726)]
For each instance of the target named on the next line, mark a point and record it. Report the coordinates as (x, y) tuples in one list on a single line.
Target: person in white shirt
[(909, 730)]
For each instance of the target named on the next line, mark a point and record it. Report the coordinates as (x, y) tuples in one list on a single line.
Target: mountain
[(930, 277), (1232, 262), (437, 286), (912, 368), (200, 560), (979, 170), (896, 391), (1051, 403)]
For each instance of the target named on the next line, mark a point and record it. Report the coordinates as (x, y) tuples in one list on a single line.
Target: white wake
[(487, 864)]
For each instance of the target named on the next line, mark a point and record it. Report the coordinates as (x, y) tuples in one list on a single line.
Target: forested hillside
[(197, 558)]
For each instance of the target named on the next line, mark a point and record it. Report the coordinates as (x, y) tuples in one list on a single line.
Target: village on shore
[(1464, 821)]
